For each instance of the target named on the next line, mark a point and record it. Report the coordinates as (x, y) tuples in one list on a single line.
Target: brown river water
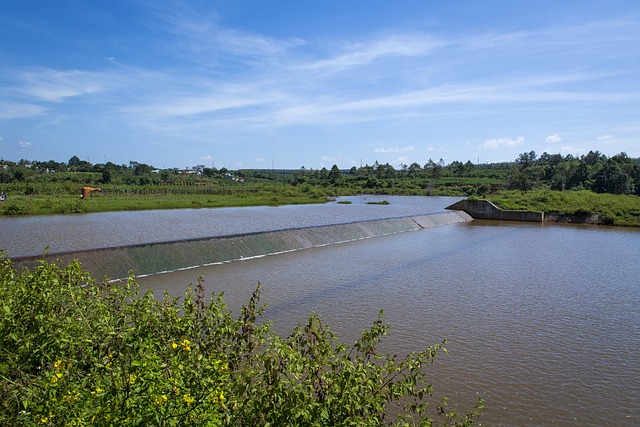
[(542, 321)]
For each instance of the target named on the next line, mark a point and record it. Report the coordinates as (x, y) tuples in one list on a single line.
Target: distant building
[(193, 170)]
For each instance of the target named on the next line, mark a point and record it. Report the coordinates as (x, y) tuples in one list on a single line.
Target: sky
[(291, 83)]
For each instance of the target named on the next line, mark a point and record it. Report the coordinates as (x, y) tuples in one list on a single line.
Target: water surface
[(543, 321), (22, 236)]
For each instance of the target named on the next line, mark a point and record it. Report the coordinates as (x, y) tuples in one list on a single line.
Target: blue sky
[(291, 83)]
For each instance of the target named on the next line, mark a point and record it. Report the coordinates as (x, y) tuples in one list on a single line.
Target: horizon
[(254, 84), (303, 167)]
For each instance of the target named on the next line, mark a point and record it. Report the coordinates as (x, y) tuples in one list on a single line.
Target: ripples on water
[(542, 321)]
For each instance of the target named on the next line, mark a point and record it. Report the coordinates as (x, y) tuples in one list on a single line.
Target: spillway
[(153, 258)]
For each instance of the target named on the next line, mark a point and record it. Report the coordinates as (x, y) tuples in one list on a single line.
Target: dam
[(152, 258), (525, 307)]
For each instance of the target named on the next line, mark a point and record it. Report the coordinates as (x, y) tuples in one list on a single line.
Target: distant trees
[(619, 174), (594, 171)]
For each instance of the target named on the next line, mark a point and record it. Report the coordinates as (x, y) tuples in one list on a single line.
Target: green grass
[(613, 209), (105, 202)]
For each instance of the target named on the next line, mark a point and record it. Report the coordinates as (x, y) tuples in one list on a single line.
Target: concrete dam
[(153, 258)]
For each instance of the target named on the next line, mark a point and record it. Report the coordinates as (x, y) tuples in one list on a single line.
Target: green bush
[(77, 352)]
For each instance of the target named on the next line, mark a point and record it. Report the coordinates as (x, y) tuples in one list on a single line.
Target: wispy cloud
[(366, 52), (406, 149), (503, 142), (54, 85), (20, 110), (203, 80)]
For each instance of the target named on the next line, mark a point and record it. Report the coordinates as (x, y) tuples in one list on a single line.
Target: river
[(542, 321)]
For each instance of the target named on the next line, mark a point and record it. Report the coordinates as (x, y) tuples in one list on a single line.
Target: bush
[(77, 352)]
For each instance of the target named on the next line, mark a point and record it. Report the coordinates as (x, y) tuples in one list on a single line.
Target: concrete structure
[(484, 209), (145, 259)]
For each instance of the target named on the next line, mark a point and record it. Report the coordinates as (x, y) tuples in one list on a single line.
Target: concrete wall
[(145, 259), (484, 209)]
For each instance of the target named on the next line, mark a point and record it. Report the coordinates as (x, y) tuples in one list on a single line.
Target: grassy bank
[(612, 209), (49, 199), (115, 201)]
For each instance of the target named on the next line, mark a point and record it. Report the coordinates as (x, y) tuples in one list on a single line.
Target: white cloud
[(329, 159), (503, 142), (395, 149), (55, 86), (359, 54), (552, 139), (24, 144), (604, 137), (207, 158), (400, 160), (18, 110), (571, 150)]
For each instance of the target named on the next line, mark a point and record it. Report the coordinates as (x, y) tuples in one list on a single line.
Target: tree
[(526, 160), (74, 162), (414, 170), (210, 172), (594, 157), (334, 174), (612, 179), (324, 174)]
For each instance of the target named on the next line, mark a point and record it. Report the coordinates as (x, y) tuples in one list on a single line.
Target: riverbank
[(581, 207), (21, 205)]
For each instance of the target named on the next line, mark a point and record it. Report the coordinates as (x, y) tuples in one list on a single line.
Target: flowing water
[(542, 321), (23, 236)]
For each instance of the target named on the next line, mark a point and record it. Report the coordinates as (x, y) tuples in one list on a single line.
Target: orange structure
[(86, 191)]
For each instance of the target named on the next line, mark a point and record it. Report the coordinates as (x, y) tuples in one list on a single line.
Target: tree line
[(619, 174)]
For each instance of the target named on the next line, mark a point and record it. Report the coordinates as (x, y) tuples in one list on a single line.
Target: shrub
[(77, 352)]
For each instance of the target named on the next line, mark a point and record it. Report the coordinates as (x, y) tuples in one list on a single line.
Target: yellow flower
[(160, 399), (174, 345), (132, 378), (58, 364), (44, 420), (186, 345), (188, 399)]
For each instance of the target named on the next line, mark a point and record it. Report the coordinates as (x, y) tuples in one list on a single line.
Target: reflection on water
[(542, 321)]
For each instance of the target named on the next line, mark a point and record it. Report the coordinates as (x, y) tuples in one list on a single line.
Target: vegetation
[(49, 187), (578, 205), (76, 352)]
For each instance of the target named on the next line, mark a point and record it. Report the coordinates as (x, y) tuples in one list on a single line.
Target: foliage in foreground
[(77, 352)]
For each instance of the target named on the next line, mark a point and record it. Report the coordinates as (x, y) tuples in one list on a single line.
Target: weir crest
[(152, 258)]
